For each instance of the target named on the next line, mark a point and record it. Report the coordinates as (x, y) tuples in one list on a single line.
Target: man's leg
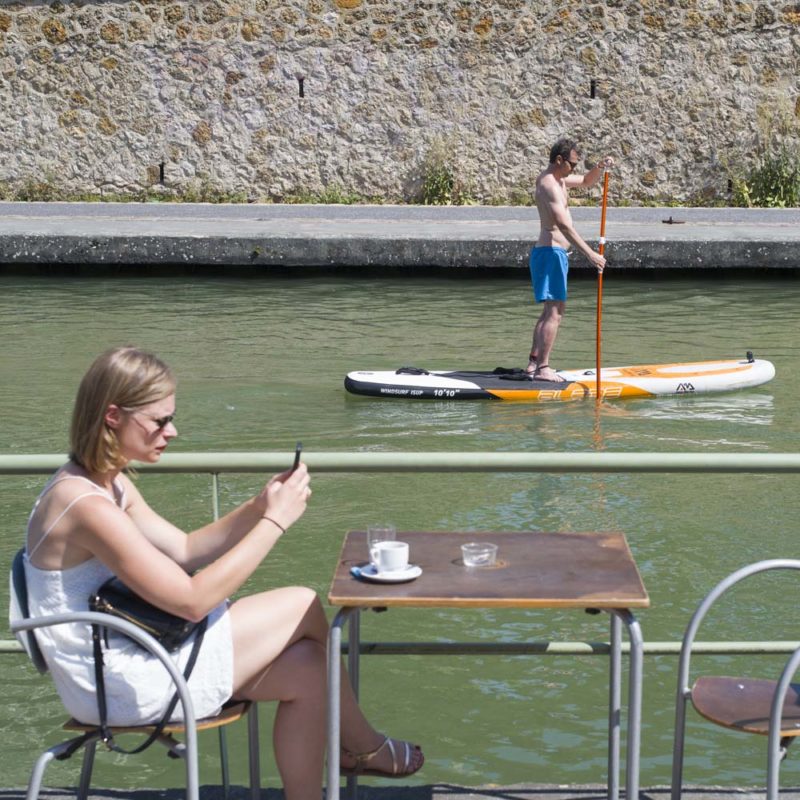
[(533, 358), (545, 334)]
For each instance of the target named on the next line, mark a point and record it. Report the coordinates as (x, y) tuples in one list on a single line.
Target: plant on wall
[(773, 180), (441, 185)]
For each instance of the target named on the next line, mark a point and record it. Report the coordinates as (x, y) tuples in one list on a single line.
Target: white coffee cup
[(391, 556)]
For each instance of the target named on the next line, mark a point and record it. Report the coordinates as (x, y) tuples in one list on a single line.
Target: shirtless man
[(548, 262)]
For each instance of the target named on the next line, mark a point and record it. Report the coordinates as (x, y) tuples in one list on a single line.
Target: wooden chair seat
[(744, 704), (229, 713)]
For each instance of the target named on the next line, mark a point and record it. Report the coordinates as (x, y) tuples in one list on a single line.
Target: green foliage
[(330, 195), (441, 185), (438, 183), (202, 191), (36, 191), (774, 181)]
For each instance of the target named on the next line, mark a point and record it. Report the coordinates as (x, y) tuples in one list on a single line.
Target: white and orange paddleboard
[(648, 380)]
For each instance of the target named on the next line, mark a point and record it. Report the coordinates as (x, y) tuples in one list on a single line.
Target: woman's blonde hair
[(123, 376)]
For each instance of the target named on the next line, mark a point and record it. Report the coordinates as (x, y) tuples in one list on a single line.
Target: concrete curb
[(409, 238)]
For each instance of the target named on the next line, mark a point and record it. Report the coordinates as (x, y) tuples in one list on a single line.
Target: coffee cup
[(391, 556)]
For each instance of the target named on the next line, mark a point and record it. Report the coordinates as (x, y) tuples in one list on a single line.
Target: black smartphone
[(297, 451)]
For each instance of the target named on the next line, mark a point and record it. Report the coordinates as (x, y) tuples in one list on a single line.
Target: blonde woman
[(91, 522)]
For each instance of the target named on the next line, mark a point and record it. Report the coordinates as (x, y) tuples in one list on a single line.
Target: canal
[(260, 364)]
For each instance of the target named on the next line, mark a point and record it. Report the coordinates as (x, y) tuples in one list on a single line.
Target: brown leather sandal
[(401, 768)]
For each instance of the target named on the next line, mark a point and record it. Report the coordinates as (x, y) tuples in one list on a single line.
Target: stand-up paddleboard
[(514, 384)]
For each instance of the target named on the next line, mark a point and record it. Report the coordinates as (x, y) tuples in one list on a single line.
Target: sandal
[(401, 768)]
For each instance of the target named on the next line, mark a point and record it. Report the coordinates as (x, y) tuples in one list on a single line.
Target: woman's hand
[(285, 496)]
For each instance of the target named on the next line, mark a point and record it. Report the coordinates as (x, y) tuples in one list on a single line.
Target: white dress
[(138, 688)]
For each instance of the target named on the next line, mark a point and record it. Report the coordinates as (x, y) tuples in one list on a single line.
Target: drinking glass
[(379, 533)]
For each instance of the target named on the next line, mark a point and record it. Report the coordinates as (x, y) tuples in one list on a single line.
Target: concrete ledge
[(439, 791), (393, 237)]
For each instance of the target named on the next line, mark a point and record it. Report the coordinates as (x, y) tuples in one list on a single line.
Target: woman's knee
[(306, 662)]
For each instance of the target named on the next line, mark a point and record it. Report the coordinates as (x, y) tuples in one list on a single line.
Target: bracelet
[(276, 524)]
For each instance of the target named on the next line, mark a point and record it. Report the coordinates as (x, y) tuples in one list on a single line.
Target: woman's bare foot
[(544, 372), (392, 758)]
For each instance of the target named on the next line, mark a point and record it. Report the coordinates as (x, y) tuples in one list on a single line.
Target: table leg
[(614, 706), (334, 701), (353, 669), (636, 660)]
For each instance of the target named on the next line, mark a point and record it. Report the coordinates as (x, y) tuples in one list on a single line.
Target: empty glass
[(379, 533), (479, 554)]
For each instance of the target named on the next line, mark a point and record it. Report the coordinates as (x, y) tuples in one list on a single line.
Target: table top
[(533, 570)]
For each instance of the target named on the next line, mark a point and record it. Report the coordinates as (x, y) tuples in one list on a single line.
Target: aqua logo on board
[(683, 388)]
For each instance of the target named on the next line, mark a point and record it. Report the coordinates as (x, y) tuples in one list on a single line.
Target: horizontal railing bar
[(537, 648), (440, 462)]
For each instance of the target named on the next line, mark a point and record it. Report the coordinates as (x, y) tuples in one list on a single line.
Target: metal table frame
[(352, 615)]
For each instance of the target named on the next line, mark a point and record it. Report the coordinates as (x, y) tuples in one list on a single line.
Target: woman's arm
[(115, 538), (204, 545)]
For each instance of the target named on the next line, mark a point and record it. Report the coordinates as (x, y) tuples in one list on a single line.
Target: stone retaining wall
[(272, 98)]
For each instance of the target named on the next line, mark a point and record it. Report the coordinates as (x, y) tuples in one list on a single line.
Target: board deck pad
[(647, 380)]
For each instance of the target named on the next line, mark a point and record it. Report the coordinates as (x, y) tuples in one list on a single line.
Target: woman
[(90, 522)]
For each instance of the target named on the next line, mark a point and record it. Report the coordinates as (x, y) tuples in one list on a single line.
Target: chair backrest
[(18, 610)]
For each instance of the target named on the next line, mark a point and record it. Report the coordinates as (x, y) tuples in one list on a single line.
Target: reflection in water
[(261, 363), (738, 408)]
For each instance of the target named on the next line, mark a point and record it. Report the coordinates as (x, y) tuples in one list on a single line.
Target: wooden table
[(533, 570)]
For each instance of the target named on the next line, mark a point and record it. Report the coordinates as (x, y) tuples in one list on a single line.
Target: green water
[(260, 365)]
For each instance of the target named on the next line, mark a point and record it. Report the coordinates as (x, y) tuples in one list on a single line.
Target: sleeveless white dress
[(138, 688)]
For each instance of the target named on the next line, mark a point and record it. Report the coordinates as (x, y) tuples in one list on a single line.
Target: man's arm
[(591, 177), (561, 218)]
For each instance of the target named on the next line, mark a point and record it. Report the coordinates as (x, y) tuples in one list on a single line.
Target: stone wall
[(273, 98)]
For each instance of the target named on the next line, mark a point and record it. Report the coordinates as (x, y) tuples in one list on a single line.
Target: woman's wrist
[(275, 522)]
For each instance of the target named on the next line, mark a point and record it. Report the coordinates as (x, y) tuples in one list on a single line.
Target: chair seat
[(229, 713), (744, 704)]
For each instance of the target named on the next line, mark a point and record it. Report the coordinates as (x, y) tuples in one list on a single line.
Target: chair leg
[(254, 752), (37, 774), (86, 769), (223, 762), (678, 747)]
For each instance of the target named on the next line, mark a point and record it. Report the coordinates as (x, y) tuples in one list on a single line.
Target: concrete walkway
[(261, 237), (440, 791)]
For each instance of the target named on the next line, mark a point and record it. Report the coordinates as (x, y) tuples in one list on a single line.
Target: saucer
[(369, 573)]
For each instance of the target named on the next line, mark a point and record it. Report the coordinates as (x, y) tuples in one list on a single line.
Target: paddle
[(601, 250)]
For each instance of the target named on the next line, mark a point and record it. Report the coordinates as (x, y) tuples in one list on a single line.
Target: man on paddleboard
[(548, 261)]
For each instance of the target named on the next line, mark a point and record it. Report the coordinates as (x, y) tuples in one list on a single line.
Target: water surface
[(260, 365)]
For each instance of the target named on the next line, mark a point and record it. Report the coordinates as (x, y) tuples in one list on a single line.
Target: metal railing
[(218, 463), (215, 464)]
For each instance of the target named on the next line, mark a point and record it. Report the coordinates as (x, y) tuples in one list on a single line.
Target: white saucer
[(368, 572)]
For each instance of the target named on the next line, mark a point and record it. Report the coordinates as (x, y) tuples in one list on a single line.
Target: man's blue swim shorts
[(549, 267)]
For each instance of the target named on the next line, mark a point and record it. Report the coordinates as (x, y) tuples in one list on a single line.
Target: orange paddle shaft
[(601, 250)]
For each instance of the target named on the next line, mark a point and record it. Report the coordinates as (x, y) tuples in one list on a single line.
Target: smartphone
[(297, 450)]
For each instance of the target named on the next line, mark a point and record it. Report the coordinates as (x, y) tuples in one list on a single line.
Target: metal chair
[(22, 626), (769, 708)]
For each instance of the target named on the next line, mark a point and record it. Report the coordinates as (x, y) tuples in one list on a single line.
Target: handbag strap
[(106, 735)]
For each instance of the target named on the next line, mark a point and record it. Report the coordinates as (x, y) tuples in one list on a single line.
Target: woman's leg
[(279, 641)]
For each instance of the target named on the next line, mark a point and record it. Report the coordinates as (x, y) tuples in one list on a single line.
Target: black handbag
[(171, 631), (115, 598)]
